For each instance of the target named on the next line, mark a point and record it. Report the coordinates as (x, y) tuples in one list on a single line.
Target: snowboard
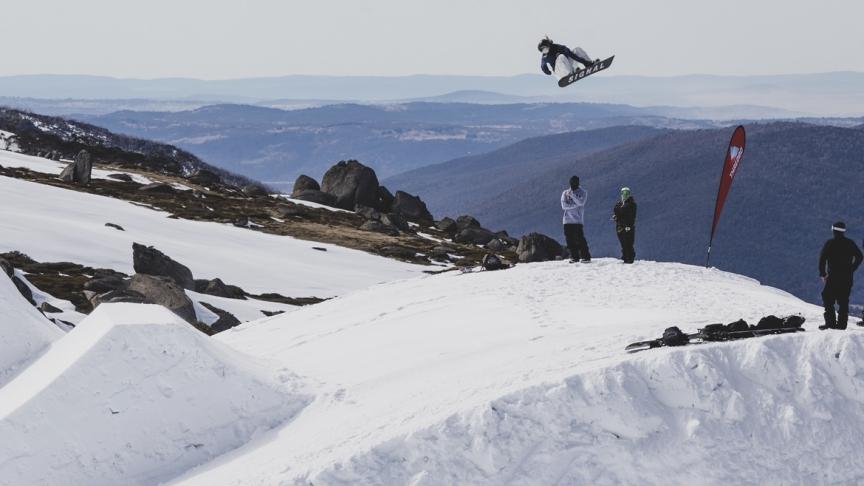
[(582, 73), (702, 337)]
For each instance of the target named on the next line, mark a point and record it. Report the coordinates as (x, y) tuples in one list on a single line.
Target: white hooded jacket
[(573, 204)]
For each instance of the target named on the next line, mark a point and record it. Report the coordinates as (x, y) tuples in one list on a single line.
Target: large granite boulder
[(537, 247), (463, 222), (78, 171), (318, 197), (150, 261), (476, 236), (352, 183), (304, 183), (165, 292), (448, 226), (410, 207), (385, 199)]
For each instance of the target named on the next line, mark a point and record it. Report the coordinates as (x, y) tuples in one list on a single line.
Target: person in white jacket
[(573, 203)]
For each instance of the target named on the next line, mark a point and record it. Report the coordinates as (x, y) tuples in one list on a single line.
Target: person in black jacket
[(839, 259), (624, 214)]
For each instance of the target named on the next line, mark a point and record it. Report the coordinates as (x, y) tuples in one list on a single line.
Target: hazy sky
[(234, 39)]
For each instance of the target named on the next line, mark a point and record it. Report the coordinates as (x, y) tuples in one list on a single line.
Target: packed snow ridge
[(508, 377)]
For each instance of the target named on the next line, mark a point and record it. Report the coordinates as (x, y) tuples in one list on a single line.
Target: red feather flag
[(734, 154)]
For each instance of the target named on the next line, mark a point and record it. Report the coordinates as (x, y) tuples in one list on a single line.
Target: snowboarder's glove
[(627, 229)]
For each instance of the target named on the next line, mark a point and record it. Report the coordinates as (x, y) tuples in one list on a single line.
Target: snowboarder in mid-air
[(561, 59), (624, 214), (842, 257)]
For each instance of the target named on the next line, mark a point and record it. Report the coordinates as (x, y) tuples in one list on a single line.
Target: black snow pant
[(837, 291), (627, 240), (575, 236)]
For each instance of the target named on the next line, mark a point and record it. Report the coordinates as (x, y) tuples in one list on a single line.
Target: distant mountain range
[(275, 146), (796, 179), (816, 94)]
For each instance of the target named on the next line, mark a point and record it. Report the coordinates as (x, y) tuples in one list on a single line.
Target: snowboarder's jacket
[(573, 204), (625, 214), (842, 257), (555, 50)]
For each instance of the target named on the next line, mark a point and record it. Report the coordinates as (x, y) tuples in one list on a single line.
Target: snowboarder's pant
[(564, 66), (575, 236), (837, 291), (627, 240)]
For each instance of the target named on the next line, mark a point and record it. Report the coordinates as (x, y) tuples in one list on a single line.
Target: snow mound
[(779, 410), (24, 332), (134, 395), (510, 376)]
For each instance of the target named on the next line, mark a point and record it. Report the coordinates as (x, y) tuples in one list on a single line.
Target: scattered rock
[(218, 288), (352, 183), (473, 235), (157, 188), (49, 309), (271, 313), (537, 247), (121, 177), (440, 253), (410, 207), (117, 296), (255, 190), (367, 212), (464, 222), (385, 199), (6, 267), (226, 319), (165, 292), (205, 177), (24, 289), (448, 226), (150, 261), (105, 284), (314, 196), (78, 171), (319, 248), (304, 183), (115, 226), (380, 227)]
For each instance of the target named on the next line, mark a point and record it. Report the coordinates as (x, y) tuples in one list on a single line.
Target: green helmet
[(625, 193)]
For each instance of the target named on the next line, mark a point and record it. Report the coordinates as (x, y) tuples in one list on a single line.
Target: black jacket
[(625, 213), (555, 50), (842, 257)]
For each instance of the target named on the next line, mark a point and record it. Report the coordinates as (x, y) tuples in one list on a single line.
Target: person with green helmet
[(624, 214)]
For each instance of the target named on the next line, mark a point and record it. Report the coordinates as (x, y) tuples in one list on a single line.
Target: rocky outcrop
[(226, 319), (105, 284), (352, 183), (464, 222), (385, 199), (205, 177), (255, 190), (447, 226), (78, 171), (475, 236), (304, 183), (318, 197), (165, 292), (219, 288), (537, 247), (410, 207), (157, 188), (6, 268), (150, 261)]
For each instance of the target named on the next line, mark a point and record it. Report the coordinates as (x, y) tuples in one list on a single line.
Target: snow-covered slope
[(133, 395), (54, 224), (519, 377), (24, 332)]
